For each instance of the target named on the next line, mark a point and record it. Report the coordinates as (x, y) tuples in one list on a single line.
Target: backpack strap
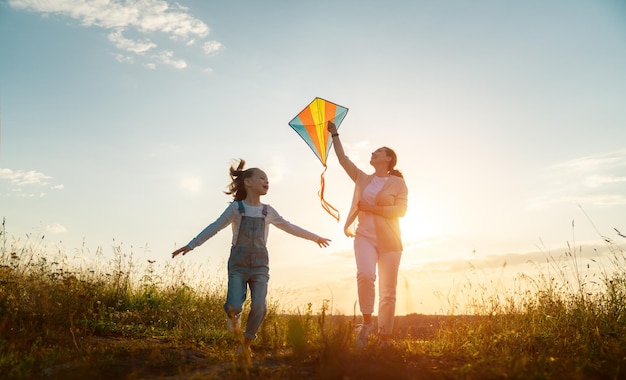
[(264, 211)]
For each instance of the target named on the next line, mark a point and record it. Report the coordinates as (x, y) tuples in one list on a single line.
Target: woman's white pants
[(367, 258)]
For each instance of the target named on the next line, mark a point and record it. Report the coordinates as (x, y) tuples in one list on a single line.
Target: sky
[(120, 119)]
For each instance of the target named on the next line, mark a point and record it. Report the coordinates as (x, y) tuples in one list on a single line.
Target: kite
[(312, 125)]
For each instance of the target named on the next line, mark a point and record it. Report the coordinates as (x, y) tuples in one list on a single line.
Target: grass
[(73, 319)]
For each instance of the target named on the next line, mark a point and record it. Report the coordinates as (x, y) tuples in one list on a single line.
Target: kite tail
[(325, 205)]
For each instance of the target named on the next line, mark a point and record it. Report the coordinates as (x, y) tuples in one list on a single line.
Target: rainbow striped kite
[(312, 125)]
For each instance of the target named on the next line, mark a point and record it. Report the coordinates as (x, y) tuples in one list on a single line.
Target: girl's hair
[(392, 164), (237, 175)]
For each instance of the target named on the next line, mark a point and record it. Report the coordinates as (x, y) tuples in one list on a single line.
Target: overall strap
[(242, 210)]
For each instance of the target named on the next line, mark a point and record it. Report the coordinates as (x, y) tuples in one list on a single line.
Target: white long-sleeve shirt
[(232, 216)]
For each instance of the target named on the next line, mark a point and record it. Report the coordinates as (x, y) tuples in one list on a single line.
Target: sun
[(422, 223)]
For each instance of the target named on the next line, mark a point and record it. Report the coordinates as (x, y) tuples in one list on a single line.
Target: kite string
[(325, 205)]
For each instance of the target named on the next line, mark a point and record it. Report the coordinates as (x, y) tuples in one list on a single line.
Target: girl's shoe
[(233, 324)]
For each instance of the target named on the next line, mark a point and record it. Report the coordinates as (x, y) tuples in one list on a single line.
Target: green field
[(113, 320)]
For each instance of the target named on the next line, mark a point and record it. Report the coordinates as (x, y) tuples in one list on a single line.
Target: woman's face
[(379, 156)]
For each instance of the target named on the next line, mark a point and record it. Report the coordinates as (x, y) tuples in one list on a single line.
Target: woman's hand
[(332, 128), (182, 250), (366, 207)]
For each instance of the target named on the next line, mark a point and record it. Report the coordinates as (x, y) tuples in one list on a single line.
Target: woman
[(379, 200)]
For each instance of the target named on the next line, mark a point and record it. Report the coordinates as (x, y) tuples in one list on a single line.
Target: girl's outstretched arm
[(182, 250), (277, 220), (220, 223), (323, 242)]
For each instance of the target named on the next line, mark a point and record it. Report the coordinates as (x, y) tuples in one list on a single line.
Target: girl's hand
[(182, 250), (322, 242)]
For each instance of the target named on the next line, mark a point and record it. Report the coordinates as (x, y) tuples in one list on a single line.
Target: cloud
[(124, 58), (603, 200), (598, 180), (56, 228), (211, 47), (594, 163), (355, 150), (585, 253), (167, 57), (137, 47), (191, 184), (276, 170), (18, 179), (145, 17), (21, 177)]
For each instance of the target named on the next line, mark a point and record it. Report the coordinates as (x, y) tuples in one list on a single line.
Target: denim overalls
[(248, 265)]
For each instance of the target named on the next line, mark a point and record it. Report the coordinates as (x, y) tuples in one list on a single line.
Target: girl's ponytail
[(237, 187)]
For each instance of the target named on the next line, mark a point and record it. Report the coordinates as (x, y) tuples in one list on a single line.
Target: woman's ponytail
[(393, 162)]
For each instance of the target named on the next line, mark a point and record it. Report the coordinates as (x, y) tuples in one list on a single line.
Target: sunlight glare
[(423, 225), (190, 184)]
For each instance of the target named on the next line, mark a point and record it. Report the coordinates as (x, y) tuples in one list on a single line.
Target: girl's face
[(258, 182)]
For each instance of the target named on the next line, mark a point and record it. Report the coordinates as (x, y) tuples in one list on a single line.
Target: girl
[(379, 200), (248, 264)]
